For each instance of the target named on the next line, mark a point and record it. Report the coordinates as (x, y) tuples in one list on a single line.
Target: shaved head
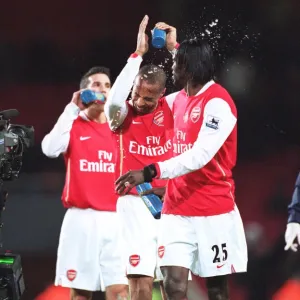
[(153, 75)]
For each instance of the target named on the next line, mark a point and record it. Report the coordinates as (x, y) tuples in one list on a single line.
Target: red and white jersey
[(89, 154), (141, 139), (205, 149)]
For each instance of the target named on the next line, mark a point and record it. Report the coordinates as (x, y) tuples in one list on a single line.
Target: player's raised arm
[(218, 123), (57, 141), (171, 38), (115, 107), (172, 46)]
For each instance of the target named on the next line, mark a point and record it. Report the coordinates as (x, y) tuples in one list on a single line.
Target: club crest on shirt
[(212, 122), (195, 114), (159, 118)]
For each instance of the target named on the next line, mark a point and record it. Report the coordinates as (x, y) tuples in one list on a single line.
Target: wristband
[(149, 173)]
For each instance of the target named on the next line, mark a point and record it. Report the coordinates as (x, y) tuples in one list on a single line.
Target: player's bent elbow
[(50, 152), (114, 124)]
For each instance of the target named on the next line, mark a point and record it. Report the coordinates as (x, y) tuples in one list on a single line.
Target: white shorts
[(140, 233), (89, 252), (208, 246)]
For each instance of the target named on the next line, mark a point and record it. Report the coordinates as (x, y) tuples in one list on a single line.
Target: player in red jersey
[(143, 130), (202, 230), (89, 253)]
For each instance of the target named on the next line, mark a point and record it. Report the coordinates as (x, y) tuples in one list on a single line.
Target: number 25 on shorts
[(220, 252)]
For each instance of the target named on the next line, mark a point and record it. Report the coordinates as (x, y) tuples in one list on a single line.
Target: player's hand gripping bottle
[(158, 38), (88, 96), (153, 202)]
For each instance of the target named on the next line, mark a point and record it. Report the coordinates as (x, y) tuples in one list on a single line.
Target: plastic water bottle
[(153, 202), (158, 38), (88, 96)]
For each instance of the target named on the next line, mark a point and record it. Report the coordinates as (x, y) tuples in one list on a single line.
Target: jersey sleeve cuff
[(174, 51), (294, 217), (135, 56)]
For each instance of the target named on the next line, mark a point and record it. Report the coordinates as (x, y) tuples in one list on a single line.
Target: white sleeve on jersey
[(115, 107), (218, 123), (57, 141), (170, 99)]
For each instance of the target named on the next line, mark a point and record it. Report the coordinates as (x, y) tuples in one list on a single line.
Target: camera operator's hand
[(77, 100)]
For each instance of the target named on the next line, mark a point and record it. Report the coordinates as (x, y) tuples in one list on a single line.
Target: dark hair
[(94, 70), (197, 58), (153, 75)]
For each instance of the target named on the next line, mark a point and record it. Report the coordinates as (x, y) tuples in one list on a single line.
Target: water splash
[(226, 36)]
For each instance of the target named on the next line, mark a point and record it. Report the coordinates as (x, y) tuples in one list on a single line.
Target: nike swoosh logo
[(135, 122), (83, 138), (219, 267)]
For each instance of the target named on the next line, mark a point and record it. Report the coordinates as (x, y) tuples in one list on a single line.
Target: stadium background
[(46, 46)]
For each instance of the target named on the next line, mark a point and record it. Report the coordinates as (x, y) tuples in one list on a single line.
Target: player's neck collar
[(205, 87)]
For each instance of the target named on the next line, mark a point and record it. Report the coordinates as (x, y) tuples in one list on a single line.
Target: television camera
[(14, 141)]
